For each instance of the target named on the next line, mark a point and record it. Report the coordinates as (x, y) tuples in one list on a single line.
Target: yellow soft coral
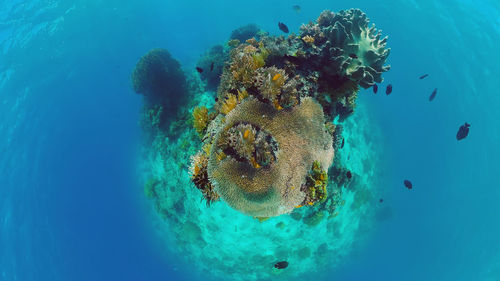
[(200, 119), (229, 104)]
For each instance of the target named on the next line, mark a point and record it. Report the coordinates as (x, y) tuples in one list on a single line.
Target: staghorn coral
[(273, 189)]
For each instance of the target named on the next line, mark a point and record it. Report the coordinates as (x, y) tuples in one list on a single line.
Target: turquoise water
[(72, 164)]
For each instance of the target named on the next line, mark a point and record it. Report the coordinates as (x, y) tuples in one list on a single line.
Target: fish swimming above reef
[(388, 90), (296, 8), (212, 66), (281, 265), (381, 200), (342, 145), (349, 174), (408, 184), (423, 76), (463, 131), (433, 95), (375, 88), (283, 27), (199, 69), (353, 56)]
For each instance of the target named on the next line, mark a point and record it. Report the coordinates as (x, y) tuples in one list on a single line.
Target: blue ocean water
[(71, 202)]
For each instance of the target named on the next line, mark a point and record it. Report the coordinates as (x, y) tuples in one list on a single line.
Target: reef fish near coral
[(463, 131), (212, 66), (283, 27), (408, 184), (433, 95), (281, 265), (375, 88), (199, 69), (388, 90)]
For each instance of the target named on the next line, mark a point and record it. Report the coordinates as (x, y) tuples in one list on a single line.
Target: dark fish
[(283, 27), (354, 56), (463, 131), (199, 69), (423, 76), (388, 90), (433, 95), (212, 66), (375, 88), (296, 8), (408, 184), (349, 174), (381, 200), (342, 145), (281, 265)]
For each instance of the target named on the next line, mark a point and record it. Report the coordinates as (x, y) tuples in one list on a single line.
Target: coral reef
[(160, 79), (267, 145), (272, 138)]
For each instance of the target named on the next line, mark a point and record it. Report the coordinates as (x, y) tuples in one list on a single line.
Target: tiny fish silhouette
[(433, 95), (423, 76), (463, 131), (388, 90), (375, 88), (408, 184), (281, 265), (283, 27), (381, 200), (342, 145), (296, 8), (354, 56), (199, 69), (212, 66), (349, 174)]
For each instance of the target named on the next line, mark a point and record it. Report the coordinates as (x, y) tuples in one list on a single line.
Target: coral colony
[(269, 139), (259, 124)]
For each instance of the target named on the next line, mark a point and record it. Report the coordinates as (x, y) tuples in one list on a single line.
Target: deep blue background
[(71, 206)]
